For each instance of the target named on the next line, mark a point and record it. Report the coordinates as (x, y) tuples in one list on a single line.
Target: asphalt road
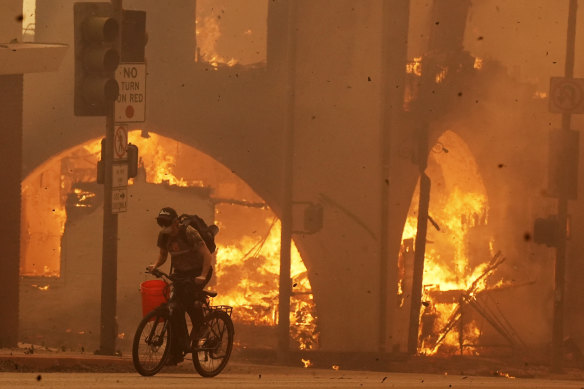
[(253, 376)]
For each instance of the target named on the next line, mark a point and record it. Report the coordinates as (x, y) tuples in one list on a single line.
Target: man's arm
[(161, 259), (201, 248), (204, 252)]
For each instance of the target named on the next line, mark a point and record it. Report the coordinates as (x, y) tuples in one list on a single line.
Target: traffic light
[(132, 152), (132, 155), (96, 34), (133, 39), (546, 231), (313, 218)]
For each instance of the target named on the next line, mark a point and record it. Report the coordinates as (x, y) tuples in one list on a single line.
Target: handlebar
[(158, 273)]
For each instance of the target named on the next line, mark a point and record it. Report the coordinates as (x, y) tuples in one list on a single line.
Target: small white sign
[(130, 105), (119, 175), (119, 200), (120, 142)]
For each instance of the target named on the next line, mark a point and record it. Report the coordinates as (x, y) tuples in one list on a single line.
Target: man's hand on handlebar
[(155, 271)]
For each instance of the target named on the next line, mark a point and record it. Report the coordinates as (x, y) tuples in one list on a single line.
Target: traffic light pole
[(560, 266), (109, 262)]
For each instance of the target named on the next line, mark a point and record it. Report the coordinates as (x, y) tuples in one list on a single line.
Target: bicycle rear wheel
[(213, 345), (150, 348)]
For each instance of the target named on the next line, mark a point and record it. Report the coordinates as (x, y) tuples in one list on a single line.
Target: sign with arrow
[(119, 200)]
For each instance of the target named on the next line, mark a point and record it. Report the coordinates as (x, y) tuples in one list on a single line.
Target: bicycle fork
[(152, 334)]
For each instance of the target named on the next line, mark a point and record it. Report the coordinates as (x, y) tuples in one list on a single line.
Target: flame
[(248, 278), (446, 264), (415, 66), (335, 367), (455, 274), (208, 32), (48, 190), (247, 272), (44, 195), (440, 76), (501, 374), (83, 198), (478, 63), (540, 95), (157, 161), (306, 362)]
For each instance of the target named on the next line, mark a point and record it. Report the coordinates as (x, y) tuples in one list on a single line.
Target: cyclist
[(191, 270)]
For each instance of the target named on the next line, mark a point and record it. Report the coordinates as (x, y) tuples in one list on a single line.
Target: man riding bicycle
[(191, 266)]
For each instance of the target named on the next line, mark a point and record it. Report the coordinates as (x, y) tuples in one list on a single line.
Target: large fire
[(231, 33), (247, 278), (453, 261), (247, 260), (208, 33)]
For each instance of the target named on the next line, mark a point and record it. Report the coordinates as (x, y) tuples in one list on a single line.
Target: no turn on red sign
[(130, 105)]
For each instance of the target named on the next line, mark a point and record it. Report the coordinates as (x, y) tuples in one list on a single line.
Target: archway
[(459, 249), (247, 259)]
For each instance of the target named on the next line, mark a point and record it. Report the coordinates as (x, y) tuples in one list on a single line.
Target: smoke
[(499, 112)]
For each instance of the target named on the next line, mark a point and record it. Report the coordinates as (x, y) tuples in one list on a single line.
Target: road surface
[(257, 376)]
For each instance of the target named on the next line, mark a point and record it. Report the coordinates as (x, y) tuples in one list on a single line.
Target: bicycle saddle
[(210, 293)]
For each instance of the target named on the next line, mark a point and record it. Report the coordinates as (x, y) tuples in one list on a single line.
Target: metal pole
[(108, 332), (560, 266), (109, 261), (287, 192)]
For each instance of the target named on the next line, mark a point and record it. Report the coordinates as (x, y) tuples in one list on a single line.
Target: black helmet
[(166, 216)]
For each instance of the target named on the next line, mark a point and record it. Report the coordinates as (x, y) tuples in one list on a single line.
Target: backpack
[(207, 232)]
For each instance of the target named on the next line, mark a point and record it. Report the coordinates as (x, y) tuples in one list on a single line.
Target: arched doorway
[(62, 205), (459, 249)]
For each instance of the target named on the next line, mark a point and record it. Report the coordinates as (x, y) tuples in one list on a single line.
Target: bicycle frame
[(170, 305), (210, 341)]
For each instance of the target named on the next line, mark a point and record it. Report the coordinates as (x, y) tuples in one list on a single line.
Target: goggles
[(164, 222)]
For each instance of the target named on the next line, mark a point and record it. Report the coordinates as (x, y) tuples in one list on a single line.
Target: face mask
[(167, 230)]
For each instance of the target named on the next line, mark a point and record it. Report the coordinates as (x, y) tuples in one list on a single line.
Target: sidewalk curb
[(56, 362)]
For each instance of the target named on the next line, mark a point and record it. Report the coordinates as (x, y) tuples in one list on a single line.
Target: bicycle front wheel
[(150, 348), (213, 345)]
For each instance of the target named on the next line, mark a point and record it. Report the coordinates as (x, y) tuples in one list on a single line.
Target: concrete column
[(10, 177)]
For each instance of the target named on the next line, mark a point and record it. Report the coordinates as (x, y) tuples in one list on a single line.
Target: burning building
[(62, 210), (363, 116)]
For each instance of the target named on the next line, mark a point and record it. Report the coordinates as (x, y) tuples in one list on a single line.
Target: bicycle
[(210, 346)]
